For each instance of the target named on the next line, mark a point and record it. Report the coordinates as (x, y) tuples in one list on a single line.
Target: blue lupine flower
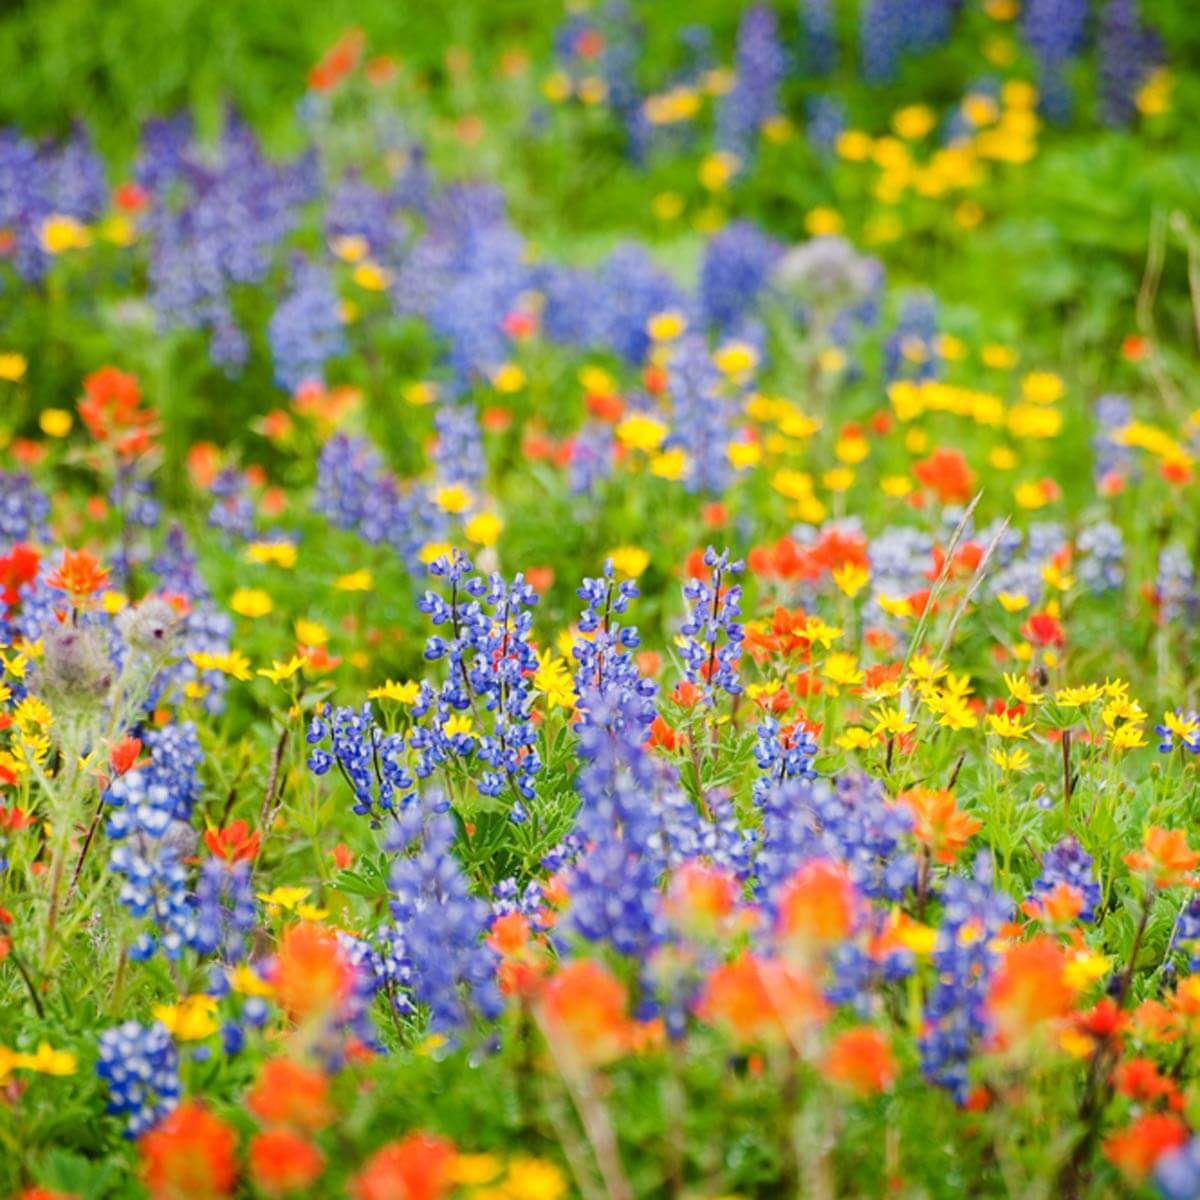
[(490, 665), (910, 349), (372, 762), (818, 20), (713, 636), (1054, 31), (354, 492), (305, 331), (24, 510), (1177, 1172), (226, 909), (827, 119), (848, 821), (703, 415), (1128, 52), (1102, 557), (440, 926), (457, 455), (760, 64), (890, 30), (140, 1066), (1176, 583), (737, 264), (604, 649), (964, 959), (782, 756), (630, 289), (1067, 862), (591, 461)]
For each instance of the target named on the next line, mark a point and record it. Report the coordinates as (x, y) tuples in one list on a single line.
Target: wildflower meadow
[(600, 600)]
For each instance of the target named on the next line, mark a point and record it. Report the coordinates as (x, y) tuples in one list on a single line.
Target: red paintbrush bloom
[(945, 472), (124, 755), (288, 1093), (282, 1162), (1044, 629), (111, 410), (235, 843), (1136, 1150), (861, 1059), (190, 1155), (17, 568), (80, 575), (338, 62), (415, 1168)]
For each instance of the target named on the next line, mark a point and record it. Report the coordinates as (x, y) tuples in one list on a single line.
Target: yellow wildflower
[(232, 663), (639, 431), (251, 602), (356, 581), (191, 1019), (403, 693)]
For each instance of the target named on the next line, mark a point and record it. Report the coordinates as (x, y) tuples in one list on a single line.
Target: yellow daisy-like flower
[(851, 578), (509, 379), (843, 669), (420, 394), (1020, 690), (823, 221), (629, 561), (13, 367), (310, 633), (371, 277), (192, 1019), (355, 581), (913, 121), (233, 663), (639, 431), (453, 498), (1042, 387), (60, 233), (483, 529), (471, 1170), (891, 723), (534, 1179), (284, 897), (277, 672), (998, 357), (251, 602), (402, 693), (716, 170), (671, 465), (459, 724), (553, 680), (246, 982), (55, 422), (45, 1060), (854, 146), (1012, 602), (924, 672), (1011, 761), (820, 634), (743, 455), (1008, 725), (1078, 697), (735, 360), (666, 326), (855, 738), (281, 554)]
